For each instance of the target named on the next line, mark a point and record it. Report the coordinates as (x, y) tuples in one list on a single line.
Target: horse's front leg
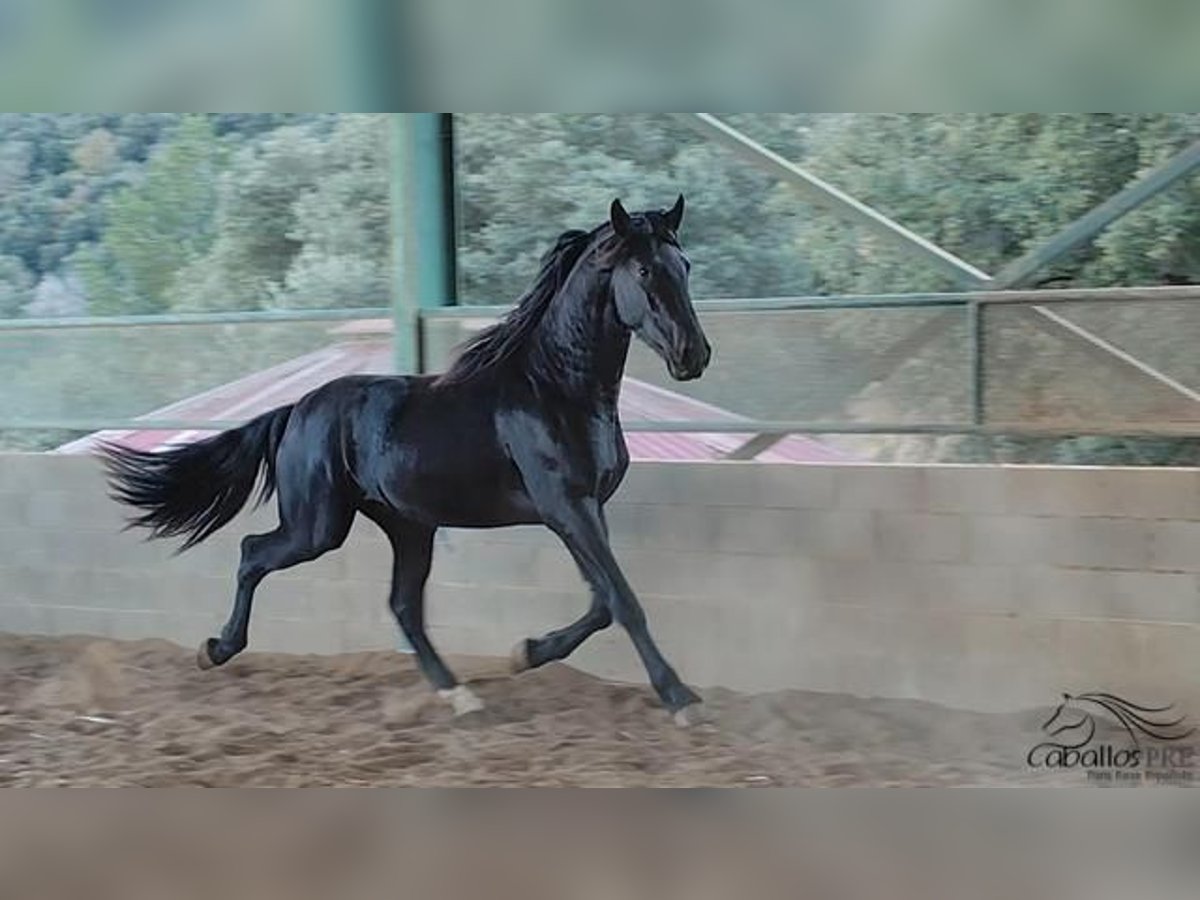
[(579, 523), (562, 642)]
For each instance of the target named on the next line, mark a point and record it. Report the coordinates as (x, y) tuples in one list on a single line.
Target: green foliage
[(522, 179), (989, 187), (302, 221), (343, 223), (16, 286), (159, 225), (86, 195), (54, 174), (255, 219), (248, 211)]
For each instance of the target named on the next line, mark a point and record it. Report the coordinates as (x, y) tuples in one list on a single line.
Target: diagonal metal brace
[(763, 441), (836, 201)]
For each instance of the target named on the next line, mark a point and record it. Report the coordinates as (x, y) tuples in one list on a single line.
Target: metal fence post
[(975, 349), (422, 227)]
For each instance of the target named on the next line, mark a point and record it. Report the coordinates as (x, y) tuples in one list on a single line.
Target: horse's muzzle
[(694, 362)]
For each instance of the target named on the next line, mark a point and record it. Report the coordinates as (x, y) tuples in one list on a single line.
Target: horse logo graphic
[(1074, 724)]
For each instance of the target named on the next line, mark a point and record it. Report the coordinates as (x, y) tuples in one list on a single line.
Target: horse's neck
[(579, 346)]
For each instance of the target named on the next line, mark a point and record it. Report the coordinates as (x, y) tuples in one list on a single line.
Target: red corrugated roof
[(287, 382)]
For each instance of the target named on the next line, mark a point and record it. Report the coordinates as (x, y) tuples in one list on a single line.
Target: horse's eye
[(643, 272)]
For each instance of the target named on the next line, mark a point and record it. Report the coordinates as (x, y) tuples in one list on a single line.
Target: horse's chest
[(610, 458), (579, 455)]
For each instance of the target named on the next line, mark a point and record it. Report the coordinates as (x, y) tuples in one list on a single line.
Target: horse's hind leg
[(412, 546), (293, 542)]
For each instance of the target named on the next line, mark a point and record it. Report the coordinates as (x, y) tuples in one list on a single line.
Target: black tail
[(195, 489)]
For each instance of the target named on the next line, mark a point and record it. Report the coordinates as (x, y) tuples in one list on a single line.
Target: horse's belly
[(444, 491)]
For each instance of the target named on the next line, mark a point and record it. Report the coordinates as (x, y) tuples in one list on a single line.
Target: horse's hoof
[(518, 660), (690, 716), (204, 655), (678, 697), (463, 699)]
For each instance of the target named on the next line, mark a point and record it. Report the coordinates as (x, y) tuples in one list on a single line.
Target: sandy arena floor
[(79, 711)]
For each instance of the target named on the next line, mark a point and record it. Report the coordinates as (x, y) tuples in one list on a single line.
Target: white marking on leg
[(690, 716), (518, 659), (463, 699)]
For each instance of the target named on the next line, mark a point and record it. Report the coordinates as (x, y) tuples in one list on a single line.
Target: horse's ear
[(619, 218), (675, 214)]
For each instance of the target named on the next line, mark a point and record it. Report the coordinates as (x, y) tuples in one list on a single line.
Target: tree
[(158, 225), (255, 220), (16, 286), (303, 220), (343, 223), (522, 179), (57, 296), (96, 153)]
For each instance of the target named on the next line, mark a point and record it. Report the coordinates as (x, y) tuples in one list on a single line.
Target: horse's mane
[(501, 341), (506, 338)]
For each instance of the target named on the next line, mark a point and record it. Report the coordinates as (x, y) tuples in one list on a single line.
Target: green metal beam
[(765, 304), (255, 317), (756, 445), (422, 227), (723, 426), (836, 201), (372, 72), (976, 355)]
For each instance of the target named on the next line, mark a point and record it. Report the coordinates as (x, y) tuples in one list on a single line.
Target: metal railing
[(972, 305), (264, 317)]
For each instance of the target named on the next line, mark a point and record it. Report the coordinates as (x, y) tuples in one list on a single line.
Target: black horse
[(522, 429)]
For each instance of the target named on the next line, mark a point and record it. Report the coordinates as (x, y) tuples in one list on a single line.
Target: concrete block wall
[(977, 586)]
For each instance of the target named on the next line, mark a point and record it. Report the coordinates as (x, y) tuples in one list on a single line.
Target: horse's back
[(428, 451), (344, 411)]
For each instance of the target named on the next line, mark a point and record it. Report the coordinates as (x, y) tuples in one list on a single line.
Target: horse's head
[(1070, 720), (650, 288)]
